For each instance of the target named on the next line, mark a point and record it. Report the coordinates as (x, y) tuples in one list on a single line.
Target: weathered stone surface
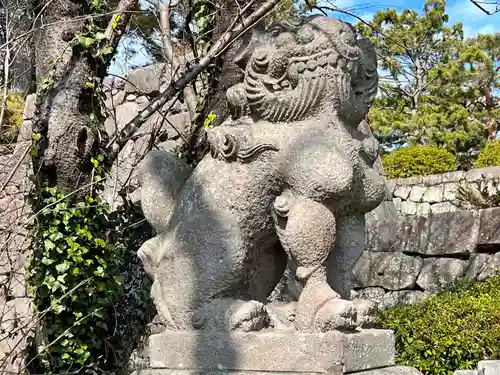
[(423, 209), (434, 194), (393, 271), (489, 224), (401, 234), (443, 207), (391, 187), (477, 265), (177, 123), (408, 208), (331, 353), (433, 179), (113, 101), (409, 234), (489, 367), (298, 352), (450, 191), (375, 294), (384, 212), (441, 273), (492, 268), (414, 180), (397, 203), (162, 177), (451, 233), (145, 80), (29, 107), (402, 191), (369, 349), (15, 329), (123, 114), (480, 174), (401, 298), (468, 372), (393, 370), (417, 193)]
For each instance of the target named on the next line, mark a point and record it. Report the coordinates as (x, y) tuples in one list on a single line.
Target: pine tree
[(433, 81)]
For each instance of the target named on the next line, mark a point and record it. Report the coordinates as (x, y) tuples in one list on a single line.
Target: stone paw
[(248, 316), (367, 311), (231, 315), (336, 314)]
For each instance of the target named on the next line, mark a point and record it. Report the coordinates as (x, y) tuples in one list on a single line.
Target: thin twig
[(189, 95), (117, 142)]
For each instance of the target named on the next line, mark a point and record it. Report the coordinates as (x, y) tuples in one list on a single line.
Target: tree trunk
[(63, 110)]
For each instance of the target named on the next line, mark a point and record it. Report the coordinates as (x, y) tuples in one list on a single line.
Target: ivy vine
[(73, 277), (76, 272)]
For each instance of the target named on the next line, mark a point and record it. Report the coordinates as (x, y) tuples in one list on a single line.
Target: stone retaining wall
[(407, 257), (422, 195), (483, 368), (16, 319), (126, 97)]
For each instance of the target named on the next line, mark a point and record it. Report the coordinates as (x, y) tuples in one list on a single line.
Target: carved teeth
[(301, 67), (311, 65), (332, 59)]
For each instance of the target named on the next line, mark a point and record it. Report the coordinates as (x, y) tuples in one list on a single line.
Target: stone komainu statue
[(289, 179)]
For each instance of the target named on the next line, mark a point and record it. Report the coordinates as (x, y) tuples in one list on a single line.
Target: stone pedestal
[(369, 352)]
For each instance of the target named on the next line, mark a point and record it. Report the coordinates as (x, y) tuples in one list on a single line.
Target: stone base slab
[(238, 353)]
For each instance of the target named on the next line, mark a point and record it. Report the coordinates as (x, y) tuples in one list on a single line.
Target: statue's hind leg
[(307, 231)]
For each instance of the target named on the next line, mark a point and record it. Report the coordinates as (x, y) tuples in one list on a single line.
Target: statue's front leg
[(307, 231), (349, 244)]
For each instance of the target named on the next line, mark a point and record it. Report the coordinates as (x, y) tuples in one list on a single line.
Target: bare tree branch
[(189, 95), (233, 32), (482, 6)]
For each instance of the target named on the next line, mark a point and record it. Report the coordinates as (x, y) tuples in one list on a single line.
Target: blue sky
[(474, 20)]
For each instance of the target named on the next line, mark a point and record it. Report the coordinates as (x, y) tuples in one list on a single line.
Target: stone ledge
[(451, 233), (333, 353)]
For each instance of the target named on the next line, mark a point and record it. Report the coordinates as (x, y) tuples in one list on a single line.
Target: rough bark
[(68, 136), (63, 113)]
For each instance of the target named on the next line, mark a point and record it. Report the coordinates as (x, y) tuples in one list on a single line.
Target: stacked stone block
[(407, 257), (126, 98), (423, 195)]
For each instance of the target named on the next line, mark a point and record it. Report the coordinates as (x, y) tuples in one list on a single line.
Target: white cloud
[(475, 21)]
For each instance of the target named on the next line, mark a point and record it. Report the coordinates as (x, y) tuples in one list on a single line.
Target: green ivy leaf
[(85, 41), (49, 245), (62, 267)]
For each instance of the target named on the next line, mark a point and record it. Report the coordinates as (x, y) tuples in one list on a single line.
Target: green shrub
[(489, 156), (418, 160), (448, 331)]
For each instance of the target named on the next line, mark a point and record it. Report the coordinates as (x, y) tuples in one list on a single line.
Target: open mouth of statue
[(318, 65)]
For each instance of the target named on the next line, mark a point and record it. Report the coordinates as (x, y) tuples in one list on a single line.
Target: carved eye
[(275, 32)]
